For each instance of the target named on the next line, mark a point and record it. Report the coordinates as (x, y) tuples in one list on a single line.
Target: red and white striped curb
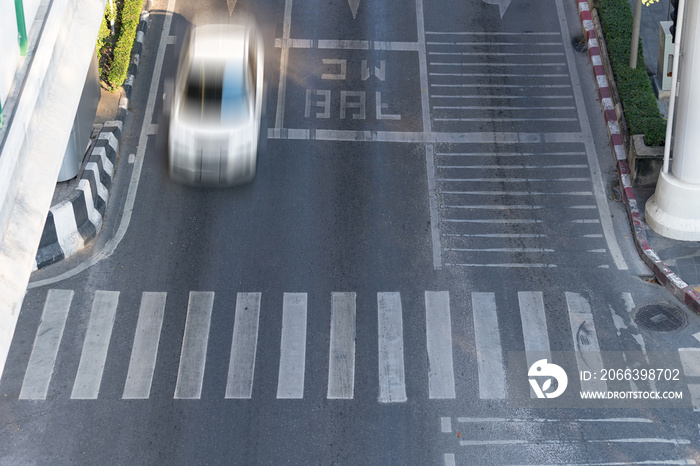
[(666, 276)]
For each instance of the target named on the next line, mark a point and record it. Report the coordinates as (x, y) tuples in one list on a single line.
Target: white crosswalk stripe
[(485, 357), (586, 344), (290, 383), (392, 382), (341, 360), (145, 349), (492, 376), (99, 332), (534, 322), (441, 378), (190, 374), (243, 346), (45, 349)]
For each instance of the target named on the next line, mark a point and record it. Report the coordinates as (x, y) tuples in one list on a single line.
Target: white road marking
[(441, 381), (499, 86), (492, 376), (433, 203), (672, 441), (392, 381), (588, 357), (95, 346), (341, 359), (354, 5), (500, 54), (511, 180), (493, 221), (690, 359), (534, 250), (449, 459), (523, 44), (324, 44), (193, 355), (641, 420), (145, 349), (519, 193), (498, 107), (506, 154), (284, 63), (46, 343), (515, 167), (342, 70), (529, 64), (290, 383), (244, 345), (499, 235), (519, 265), (505, 119), (694, 390), (421, 137), (596, 174), (496, 207), (534, 321), (446, 425), (501, 75), (423, 68)]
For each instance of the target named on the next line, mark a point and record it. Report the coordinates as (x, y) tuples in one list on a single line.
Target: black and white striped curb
[(71, 224), (74, 222), (665, 275)]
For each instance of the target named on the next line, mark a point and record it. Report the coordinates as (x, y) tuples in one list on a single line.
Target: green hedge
[(633, 85), (129, 21)]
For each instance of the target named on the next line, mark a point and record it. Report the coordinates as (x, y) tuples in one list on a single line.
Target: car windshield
[(215, 93)]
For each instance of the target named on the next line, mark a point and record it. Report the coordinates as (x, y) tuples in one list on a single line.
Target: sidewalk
[(676, 264)]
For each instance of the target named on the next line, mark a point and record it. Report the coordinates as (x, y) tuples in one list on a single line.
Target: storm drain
[(660, 318)]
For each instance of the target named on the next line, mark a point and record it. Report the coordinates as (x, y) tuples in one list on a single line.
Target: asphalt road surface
[(433, 213)]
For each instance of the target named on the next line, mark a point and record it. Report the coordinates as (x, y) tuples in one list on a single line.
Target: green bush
[(129, 21), (103, 35), (633, 85)]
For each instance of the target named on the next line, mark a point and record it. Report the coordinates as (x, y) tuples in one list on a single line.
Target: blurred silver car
[(216, 104)]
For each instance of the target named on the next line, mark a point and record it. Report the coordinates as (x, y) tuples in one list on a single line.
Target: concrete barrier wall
[(35, 142)]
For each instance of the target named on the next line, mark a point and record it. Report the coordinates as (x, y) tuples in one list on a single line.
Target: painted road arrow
[(502, 5), (354, 5)]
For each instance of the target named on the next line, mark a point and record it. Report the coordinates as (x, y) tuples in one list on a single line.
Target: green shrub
[(102, 35), (633, 85), (129, 21)]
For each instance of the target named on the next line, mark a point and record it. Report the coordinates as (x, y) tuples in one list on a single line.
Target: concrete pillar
[(674, 209)]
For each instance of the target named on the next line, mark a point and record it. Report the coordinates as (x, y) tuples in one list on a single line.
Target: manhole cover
[(579, 44), (660, 318)]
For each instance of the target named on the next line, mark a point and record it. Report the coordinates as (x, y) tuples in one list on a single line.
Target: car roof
[(219, 41)]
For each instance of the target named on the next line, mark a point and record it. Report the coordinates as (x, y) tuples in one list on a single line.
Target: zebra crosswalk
[(438, 332)]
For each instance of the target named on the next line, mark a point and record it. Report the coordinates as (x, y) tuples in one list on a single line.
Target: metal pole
[(674, 84), (21, 28), (111, 16), (635, 33)]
